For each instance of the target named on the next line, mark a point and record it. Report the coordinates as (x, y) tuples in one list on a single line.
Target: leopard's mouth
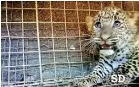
[(108, 46), (105, 46)]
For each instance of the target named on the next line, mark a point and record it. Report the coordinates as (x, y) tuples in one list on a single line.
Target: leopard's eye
[(98, 25), (117, 24)]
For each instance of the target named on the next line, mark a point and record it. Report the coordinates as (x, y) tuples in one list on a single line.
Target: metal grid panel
[(37, 36)]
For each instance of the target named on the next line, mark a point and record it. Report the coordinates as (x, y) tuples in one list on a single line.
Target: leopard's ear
[(133, 19), (89, 23)]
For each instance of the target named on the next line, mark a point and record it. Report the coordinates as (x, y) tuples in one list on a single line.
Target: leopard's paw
[(81, 82)]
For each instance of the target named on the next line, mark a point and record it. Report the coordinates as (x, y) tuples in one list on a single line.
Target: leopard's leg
[(100, 71), (131, 68)]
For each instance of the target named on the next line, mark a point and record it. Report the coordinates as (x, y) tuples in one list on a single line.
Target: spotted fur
[(124, 40)]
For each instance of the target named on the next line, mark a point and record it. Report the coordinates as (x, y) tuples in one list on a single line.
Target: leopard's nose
[(104, 37)]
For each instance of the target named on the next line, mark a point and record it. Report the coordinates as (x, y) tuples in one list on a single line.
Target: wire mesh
[(36, 40)]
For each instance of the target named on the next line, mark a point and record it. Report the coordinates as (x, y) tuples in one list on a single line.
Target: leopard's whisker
[(90, 46), (86, 44)]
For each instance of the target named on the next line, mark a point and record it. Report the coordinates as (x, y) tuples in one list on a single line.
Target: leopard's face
[(111, 28)]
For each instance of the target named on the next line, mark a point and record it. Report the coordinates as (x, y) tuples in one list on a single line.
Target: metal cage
[(36, 41)]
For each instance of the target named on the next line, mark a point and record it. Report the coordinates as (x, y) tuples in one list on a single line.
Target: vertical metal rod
[(53, 39), (133, 6), (89, 8), (79, 34), (37, 25), (122, 4), (24, 76), (9, 53), (112, 3), (66, 39)]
